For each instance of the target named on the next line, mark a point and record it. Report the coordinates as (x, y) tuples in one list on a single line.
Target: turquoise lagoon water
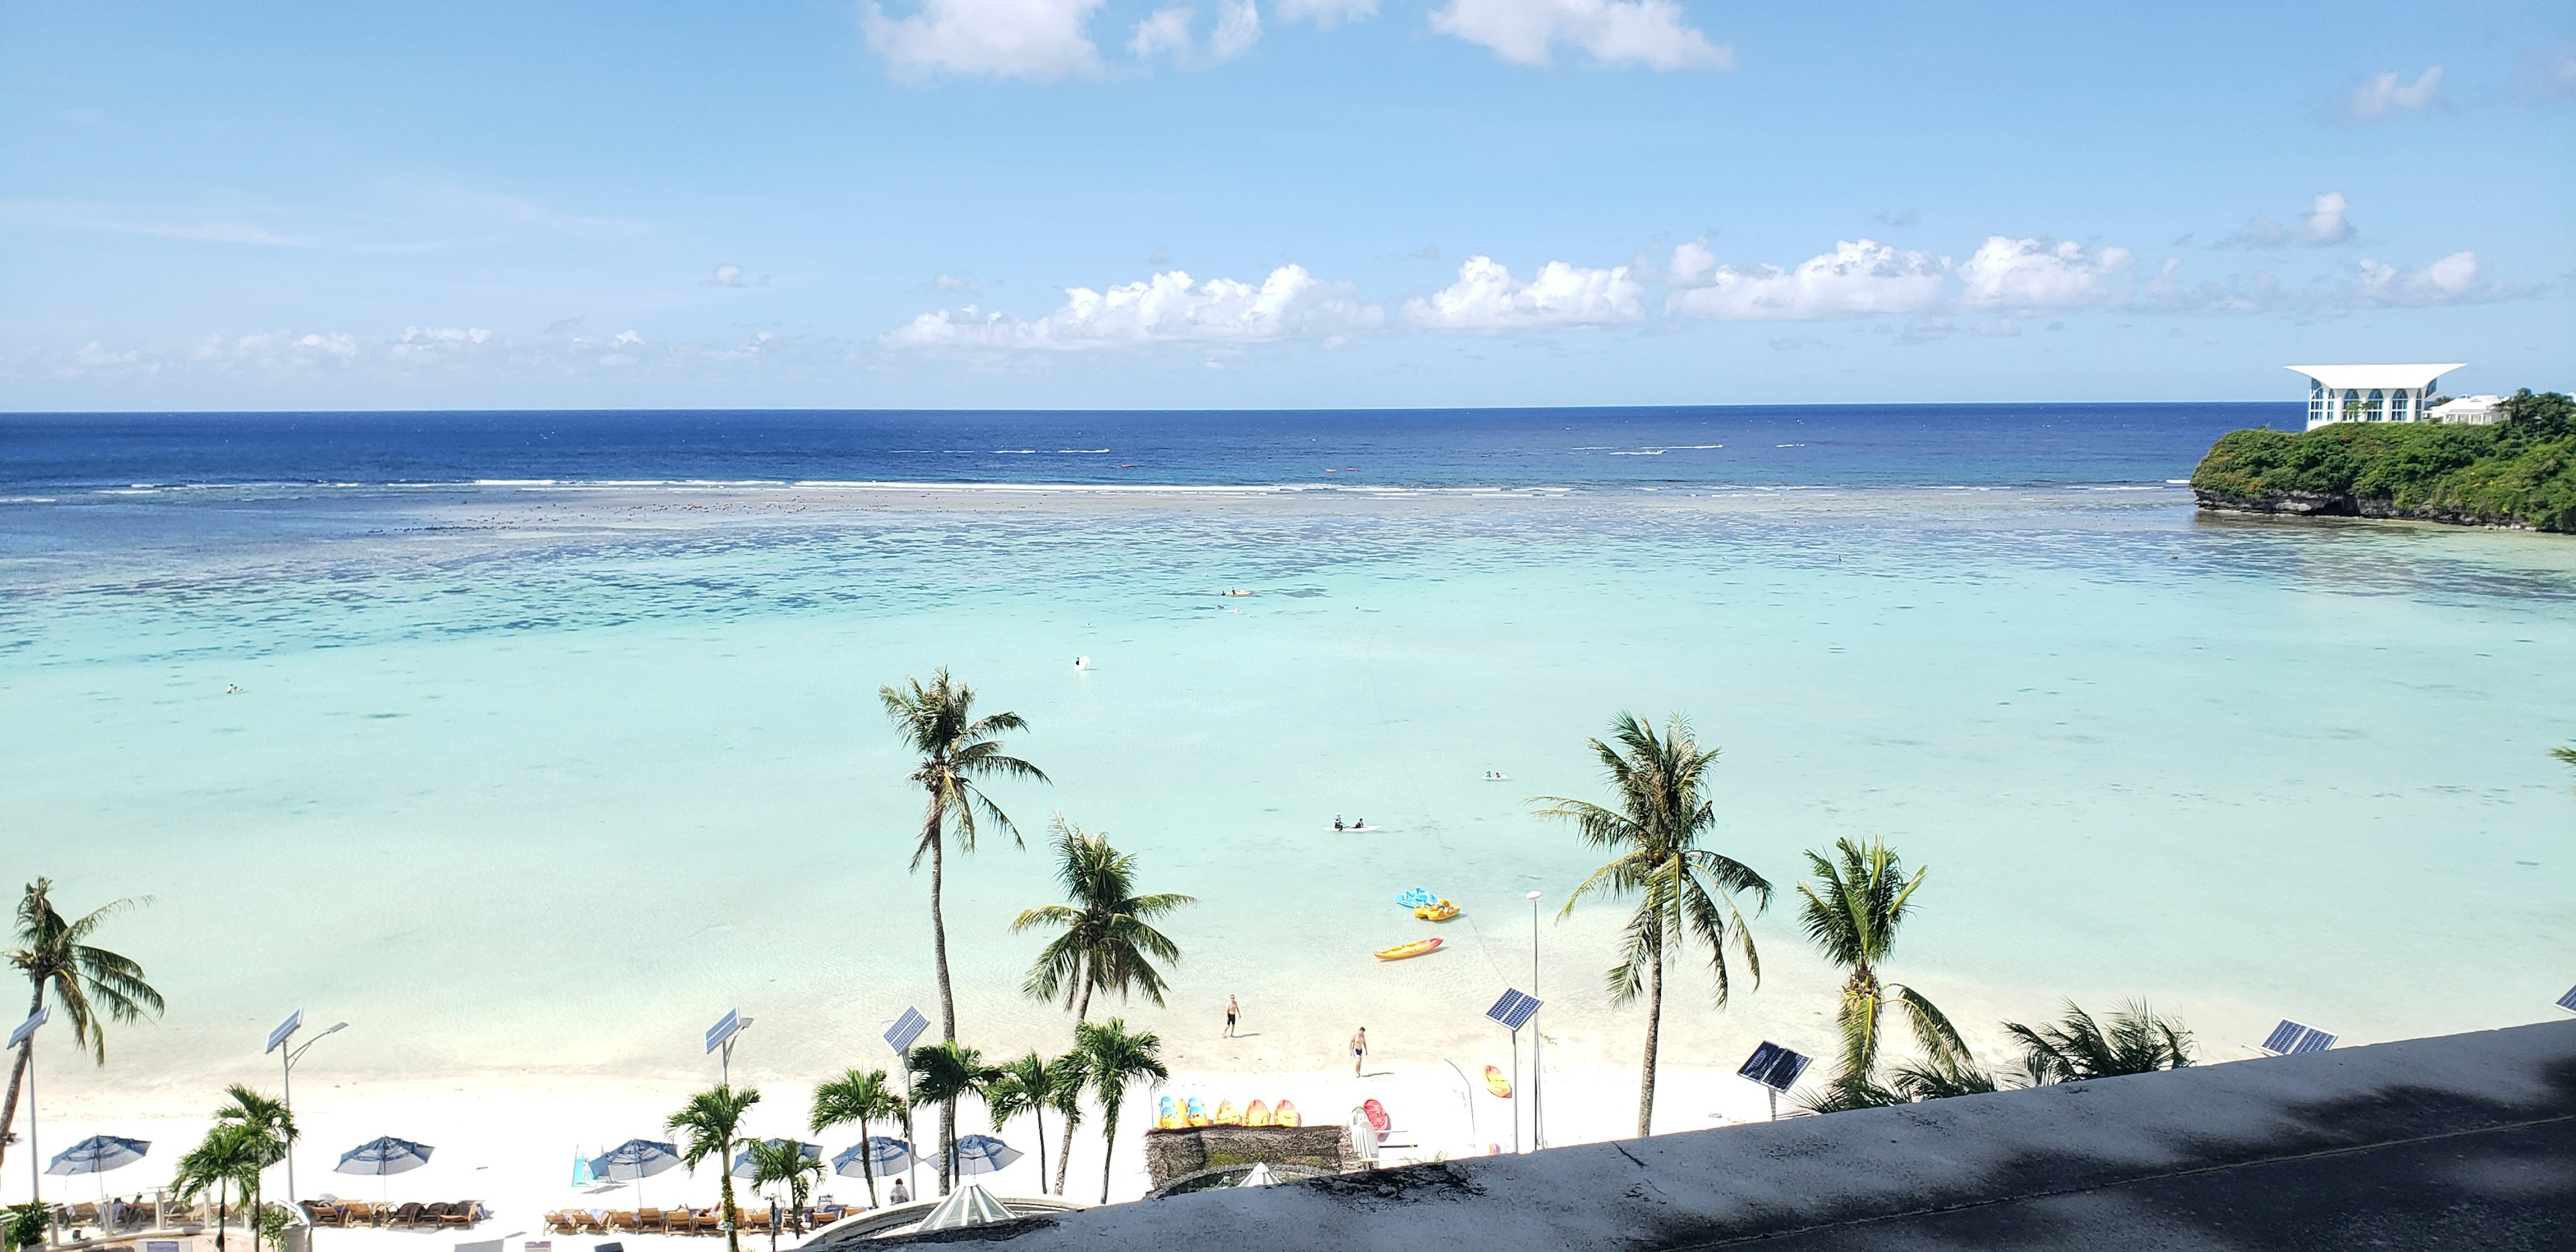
[(538, 779)]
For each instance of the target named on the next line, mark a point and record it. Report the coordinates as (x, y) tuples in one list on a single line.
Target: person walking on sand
[(1359, 1050), (1232, 1010)]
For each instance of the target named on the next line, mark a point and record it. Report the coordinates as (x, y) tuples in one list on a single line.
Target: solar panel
[(2568, 1001), (1775, 1067), (1514, 1010), (724, 1029), (906, 1029), (2290, 1038)]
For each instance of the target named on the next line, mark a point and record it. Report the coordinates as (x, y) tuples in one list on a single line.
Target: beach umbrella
[(1259, 1177), (98, 1154), (384, 1156), (884, 1156), (634, 1161), (381, 1157), (983, 1154), (969, 1205), (743, 1168)]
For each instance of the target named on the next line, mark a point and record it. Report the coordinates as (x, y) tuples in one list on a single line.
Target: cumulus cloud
[(2038, 274), (1857, 278), (2455, 279), (2324, 225), (1325, 14), (2382, 97), (1487, 297), (727, 275), (1167, 308), (1042, 40), (1648, 33), (1166, 33)]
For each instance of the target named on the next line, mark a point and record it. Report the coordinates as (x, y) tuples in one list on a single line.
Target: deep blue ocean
[(1870, 445)]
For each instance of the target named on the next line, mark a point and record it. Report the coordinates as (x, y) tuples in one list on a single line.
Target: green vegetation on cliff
[(2519, 472)]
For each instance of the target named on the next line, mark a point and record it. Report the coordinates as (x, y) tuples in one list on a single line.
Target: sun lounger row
[(678, 1221), (461, 1214)]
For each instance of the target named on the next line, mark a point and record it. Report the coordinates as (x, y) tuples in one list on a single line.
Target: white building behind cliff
[(2469, 411), (2370, 393)]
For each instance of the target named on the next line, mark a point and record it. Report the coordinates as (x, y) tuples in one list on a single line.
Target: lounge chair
[(463, 1213), (83, 1214), (590, 1222), (824, 1216), (321, 1213), (362, 1213), (710, 1222), (650, 1220), (406, 1214), (625, 1222)]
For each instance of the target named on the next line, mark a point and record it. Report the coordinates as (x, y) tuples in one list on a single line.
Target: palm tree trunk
[(1040, 1111), (1654, 1030), (867, 1167), (18, 1074), (732, 1218), (947, 999), (1108, 1148), (1064, 1151)]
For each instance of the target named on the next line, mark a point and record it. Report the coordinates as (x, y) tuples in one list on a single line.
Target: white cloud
[(1167, 308), (1238, 27), (963, 284), (1042, 40), (1692, 263), (274, 352), (2324, 225), (728, 275), (1166, 33), (1325, 14), (1648, 33), (1856, 279), (2455, 279), (2381, 96), (1487, 297), (2036, 274)]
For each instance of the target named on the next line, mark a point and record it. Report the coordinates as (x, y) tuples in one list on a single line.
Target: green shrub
[(2521, 471)]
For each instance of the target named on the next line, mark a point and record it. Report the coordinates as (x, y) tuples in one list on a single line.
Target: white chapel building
[(2372, 393)]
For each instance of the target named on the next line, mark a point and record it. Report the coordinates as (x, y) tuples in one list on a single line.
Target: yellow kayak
[(1403, 950)]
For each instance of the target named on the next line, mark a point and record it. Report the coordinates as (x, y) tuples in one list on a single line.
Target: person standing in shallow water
[(1232, 1010), (1359, 1050)]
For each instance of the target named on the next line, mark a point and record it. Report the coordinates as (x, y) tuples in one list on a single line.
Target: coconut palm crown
[(2135, 1041), (1852, 911), (1683, 892), (90, 984), (1109, 941), (942, 1074)]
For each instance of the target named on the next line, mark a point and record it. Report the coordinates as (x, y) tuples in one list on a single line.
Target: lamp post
[(1538, 1087), (287, 1056)]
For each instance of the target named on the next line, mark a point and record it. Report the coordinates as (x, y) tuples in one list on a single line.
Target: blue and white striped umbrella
[(743, 1168), (633, 1159), (98, 1154), (885, 1156), (384, 1156), (983, 1154)]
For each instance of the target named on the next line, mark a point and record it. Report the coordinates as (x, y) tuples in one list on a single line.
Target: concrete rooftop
[(2464, 1141)]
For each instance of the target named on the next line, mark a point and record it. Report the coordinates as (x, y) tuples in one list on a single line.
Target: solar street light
[(1777, 1069), (2290, 1039), (899, 1037), (2568, 1001), (1512, 1012)]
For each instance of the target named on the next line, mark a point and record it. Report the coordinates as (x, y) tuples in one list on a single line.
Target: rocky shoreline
[(2329, 504)]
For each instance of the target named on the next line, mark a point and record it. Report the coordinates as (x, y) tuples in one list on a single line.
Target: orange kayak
[(1403, 950)]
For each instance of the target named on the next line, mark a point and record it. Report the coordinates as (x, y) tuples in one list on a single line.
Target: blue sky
[(1256, 203)]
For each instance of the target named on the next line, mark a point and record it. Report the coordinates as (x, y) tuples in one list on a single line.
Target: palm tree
[(1852, 911), (942, 1073), (1111, 1058), (856, 1097), (2566, 754), (1108, 942), (1067, 1077), (959, 751), (2136, 1042), (710, 1124), (1025, 1085), (1935, 1080), (229, 1158), (775, 1161), (269, 1128), (55, 955), (1683, 891)]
